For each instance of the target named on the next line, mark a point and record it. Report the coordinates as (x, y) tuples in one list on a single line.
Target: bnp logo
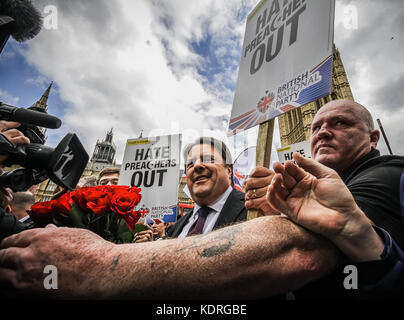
[(265, 102), (144, 211)]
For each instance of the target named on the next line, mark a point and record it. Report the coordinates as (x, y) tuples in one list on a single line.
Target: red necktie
[(197, 227)]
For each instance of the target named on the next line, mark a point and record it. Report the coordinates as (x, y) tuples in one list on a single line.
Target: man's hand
[(144, 236), (319, 200), (256, 187), (16, 137), (80, 256)]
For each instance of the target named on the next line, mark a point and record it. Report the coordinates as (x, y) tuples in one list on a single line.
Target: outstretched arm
[(314, 196), (254, 259)]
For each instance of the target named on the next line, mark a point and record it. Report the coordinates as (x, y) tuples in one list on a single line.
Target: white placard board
[(153, 164), (286, 60), (286, 153)]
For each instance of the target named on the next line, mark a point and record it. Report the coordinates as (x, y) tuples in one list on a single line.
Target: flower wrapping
[(108, 211)]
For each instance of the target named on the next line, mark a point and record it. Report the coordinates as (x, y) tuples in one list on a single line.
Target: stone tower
[(104, 151), (295, 125)]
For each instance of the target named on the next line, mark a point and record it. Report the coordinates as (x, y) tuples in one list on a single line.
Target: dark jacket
[(233, 211), (10, 225)]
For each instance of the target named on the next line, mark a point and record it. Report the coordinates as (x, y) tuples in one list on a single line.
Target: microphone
[(22, 115), (27, 19)]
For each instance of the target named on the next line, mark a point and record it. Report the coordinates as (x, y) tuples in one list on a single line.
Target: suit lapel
[(231, 209), (180, 224)]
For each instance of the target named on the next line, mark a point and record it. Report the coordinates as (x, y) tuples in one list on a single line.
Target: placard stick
[(384, 136), (263, 153)]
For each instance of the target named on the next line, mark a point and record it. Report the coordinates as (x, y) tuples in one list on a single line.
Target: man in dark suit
[(209, 170)]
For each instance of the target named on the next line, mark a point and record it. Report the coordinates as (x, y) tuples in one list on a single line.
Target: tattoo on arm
[(216, 243), (115, 262), (216, 250), (153, 261)]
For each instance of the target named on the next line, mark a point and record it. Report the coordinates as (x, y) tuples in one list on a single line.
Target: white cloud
[(8, 98), (39, 81), (130, 65)]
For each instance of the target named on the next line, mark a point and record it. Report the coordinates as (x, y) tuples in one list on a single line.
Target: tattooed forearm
[(215, 243), (153, 260), (115, 262), (216, 250)]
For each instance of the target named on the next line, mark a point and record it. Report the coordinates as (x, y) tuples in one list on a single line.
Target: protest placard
[(286, 60), (153, 164), (286, 153)]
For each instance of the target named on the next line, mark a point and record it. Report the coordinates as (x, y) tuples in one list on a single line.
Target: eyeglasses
[(206, 158)]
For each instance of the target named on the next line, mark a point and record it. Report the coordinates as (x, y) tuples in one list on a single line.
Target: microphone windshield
[(36, 118), (28, 20)]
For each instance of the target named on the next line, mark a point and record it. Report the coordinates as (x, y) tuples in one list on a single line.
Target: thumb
[(50, 226), (313, 167)]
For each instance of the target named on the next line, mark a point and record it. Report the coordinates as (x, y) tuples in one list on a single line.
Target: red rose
[(131, 219), (123, 202), (119, 189), (41, 212), (137, 192), (62, 204), (96, 199), (79, 196), (101, 205), (116, 189), (103, 199)]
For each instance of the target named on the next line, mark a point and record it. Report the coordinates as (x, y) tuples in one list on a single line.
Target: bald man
[(343, 138)]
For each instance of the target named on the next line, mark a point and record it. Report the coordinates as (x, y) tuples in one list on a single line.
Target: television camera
[(64, 164)]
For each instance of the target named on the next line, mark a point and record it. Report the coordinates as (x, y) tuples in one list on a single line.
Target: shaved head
[(361, 111), (342, 132)]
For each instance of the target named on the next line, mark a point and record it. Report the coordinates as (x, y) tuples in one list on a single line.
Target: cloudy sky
[(170, 66)]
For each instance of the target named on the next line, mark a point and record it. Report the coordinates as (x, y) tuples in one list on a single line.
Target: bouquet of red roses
[(105, 210)]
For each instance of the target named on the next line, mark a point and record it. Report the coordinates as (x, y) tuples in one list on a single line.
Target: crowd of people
[(343, 207)]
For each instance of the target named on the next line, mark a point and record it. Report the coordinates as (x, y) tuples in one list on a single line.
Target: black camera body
[(64, 165)]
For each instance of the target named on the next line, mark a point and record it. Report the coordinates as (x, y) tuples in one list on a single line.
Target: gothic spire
[(42, 104), (109, 136)]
